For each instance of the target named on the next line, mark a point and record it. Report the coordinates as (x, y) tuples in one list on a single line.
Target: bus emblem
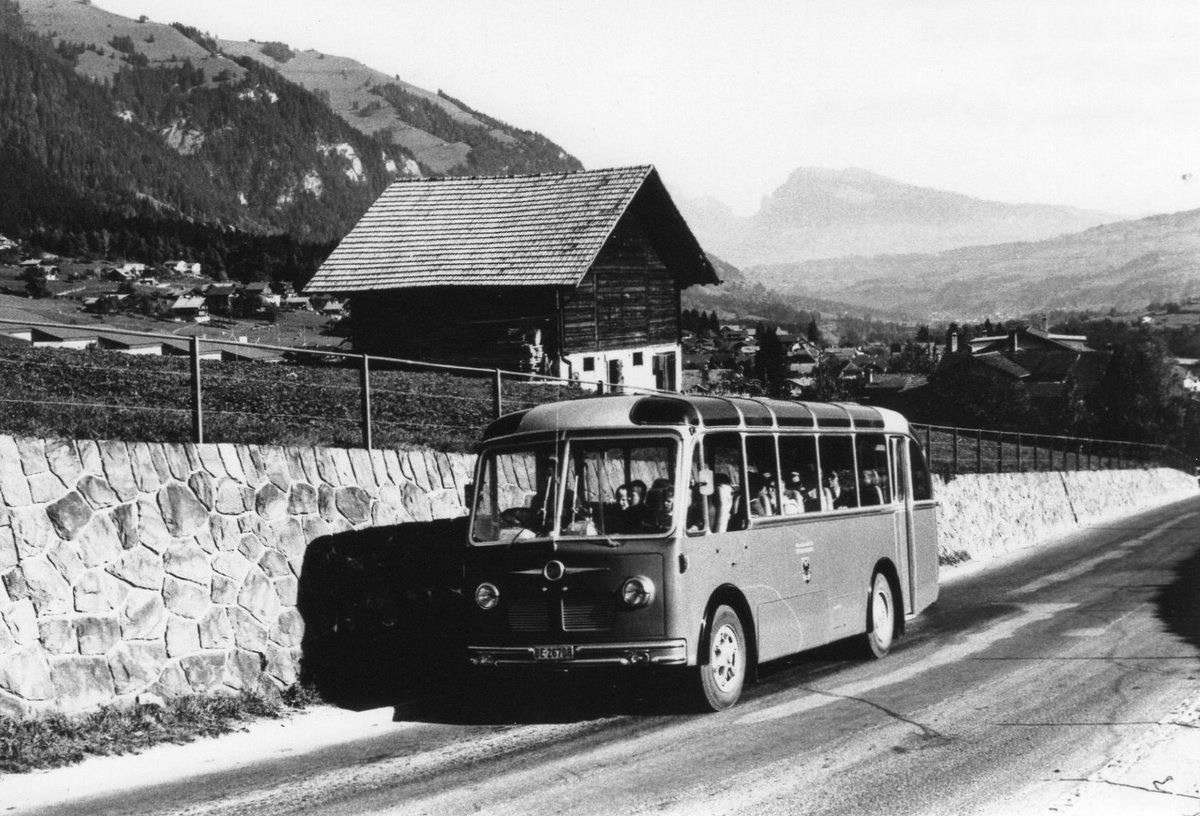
[(554, 570)]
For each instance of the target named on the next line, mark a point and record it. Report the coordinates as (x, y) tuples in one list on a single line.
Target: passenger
[(793, 496), (832, 484), (723, 501), (765, 500), (816, 496), (660, 506), (872, 492), (628, 516)]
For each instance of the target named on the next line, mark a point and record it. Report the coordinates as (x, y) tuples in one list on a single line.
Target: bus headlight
[(487, 596), (637, 592)]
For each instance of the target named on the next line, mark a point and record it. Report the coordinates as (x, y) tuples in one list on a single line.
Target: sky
[(1088, 103)]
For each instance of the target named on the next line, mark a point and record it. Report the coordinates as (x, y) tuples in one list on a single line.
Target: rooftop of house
[(534, 230)]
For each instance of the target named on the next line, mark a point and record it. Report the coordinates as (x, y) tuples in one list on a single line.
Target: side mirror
[(705, 482)]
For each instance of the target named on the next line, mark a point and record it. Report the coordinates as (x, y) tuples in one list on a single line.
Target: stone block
[(392, 460), (202, 485), (416, 502), (45, 487), (25, 673), (89, 456), (100, 542), (181, 510), (292, 541), (48, 589), (81, 682), (226, 531), (32, 531), (143, 616), (362, 468), (270, 502), (186, 598), (230, 497), (188, 561), (444, 504), (354, 504), (312, 470), (66, 560), (439, 470), (251, 547), (193, 456), (258, 597), (215, 630), (177, 460), (232, 462), (69, 515), (326, 466), (289, 629), (379, 467), (8, 549), (57, 636), (283, 664), (172, 682), (420, 469), (64, 460), (21, 619), (97, 491), (152, 530), (303, 499), (231, 564), (7, 642), (33, 455), (278, 468), (145, 474), (295, 464), (244, 670), (125, 519), (162, 467), (327, 502), (274, 564), (205, 541), (118, 469), (141, 567), (210, 460), (315, 528), (406, 468), (384, 514), (288, 590), (183, 636), (135, 666), (224, 590), (248, 633), (96, 592), (97, 633)]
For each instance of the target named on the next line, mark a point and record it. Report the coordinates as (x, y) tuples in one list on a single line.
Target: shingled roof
[(536, 230)]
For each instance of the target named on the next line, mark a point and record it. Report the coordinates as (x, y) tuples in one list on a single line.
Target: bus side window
[(873, 487), (727, 507), (921, 489), (762, 473), (802, 491), (837, 470), (698, 505)]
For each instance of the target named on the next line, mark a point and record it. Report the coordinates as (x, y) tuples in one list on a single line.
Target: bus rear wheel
[(723, 672), (881, 618)]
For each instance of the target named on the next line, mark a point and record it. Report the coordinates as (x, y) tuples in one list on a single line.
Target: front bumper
[(653, 653)]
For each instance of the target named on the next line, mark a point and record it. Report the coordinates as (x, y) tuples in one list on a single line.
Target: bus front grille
[(587, 614), (529, 616)]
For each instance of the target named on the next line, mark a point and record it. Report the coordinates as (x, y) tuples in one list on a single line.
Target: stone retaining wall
[(983, 516), (132, 568)]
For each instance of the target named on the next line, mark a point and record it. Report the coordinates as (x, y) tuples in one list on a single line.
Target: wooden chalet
[(575, 275)]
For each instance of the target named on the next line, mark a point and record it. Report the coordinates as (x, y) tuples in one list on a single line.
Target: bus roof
[(727, 413)]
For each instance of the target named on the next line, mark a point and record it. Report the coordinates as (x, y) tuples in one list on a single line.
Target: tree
[(1138, 401), (814, 332), (974, 395), (770, 364), (914, 358)]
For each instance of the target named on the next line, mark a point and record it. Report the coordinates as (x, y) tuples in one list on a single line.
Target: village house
[(576, 275), (190, 307)]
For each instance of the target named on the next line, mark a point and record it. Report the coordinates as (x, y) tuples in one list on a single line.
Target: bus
[(709, 534)]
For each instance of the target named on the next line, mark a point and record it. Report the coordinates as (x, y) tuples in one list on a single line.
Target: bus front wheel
[(881, 618), (723, 672)]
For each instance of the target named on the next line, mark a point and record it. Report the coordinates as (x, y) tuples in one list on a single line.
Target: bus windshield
[(610, 487)]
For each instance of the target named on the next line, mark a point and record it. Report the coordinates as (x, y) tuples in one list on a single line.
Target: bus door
[(902, 485)]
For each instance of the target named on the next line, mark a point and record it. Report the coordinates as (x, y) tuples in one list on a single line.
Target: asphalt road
[(1011, 695)]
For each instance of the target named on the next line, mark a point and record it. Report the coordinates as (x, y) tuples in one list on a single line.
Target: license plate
[(553, 652)]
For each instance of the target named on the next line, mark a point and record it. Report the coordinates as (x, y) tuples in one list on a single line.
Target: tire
[(722, 674), (881, 618)]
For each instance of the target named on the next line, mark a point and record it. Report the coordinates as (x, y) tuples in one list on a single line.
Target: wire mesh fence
[(954, 451), (324, 397)]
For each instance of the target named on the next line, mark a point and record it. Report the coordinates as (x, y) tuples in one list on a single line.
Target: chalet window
[(589, 363), (637, 358)]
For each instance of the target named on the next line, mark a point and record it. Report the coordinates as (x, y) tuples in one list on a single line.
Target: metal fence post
[(1000, 453), (497, 395), (954, 450), (365, 386), (978, 451), (1018, 452), (197, 411)]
